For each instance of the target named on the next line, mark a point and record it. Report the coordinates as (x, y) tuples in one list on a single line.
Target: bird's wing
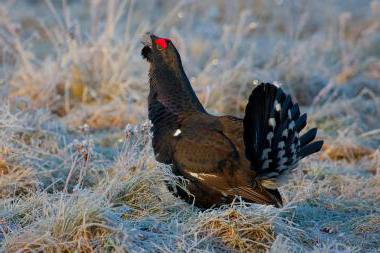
[(204, 150), (217, 159), (233, 129), (209, 156)]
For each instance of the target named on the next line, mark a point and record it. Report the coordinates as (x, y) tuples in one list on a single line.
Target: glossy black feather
[(311, 148), (222, 157), (146, 53), (272, 126), (301, 122), (308, 136)]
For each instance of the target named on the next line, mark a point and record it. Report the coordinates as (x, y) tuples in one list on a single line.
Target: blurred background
[(77, 171), (81, 59)]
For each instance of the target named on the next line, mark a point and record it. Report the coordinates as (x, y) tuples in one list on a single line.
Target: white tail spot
[(281, 153), (266, 164), (291, 125), (269, 138), (285, 133), (289, 114), (283, 160), (265, 153), (293, 148), (281, 145), (281, 168), (177, 132), (272, 122)]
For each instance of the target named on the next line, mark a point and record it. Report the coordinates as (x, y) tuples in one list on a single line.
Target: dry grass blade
[(74, 65)]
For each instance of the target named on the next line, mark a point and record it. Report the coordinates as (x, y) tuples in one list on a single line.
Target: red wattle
[(163, 42)]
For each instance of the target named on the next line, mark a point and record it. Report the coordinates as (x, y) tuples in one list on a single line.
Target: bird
[(222, 158)]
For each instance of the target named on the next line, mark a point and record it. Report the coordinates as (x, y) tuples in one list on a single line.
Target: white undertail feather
[(293, 148), (291, 125), (282, 161), (275, 127), (294, 158), (265, 153), (275, 183), (266, 163), (270, 183), (282, 167), (281, 153), (269, 138)]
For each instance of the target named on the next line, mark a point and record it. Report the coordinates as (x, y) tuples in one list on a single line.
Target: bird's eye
[(159, 47)]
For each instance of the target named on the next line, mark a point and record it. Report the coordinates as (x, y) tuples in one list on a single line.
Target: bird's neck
[(173, 88)]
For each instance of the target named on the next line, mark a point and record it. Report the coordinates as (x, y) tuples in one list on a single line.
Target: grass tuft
[(77, 170)]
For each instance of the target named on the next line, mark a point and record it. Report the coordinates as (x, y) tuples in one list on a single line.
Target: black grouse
[(222, 156)]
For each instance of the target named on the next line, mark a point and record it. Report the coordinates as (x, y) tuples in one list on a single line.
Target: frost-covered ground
[(76, 167)]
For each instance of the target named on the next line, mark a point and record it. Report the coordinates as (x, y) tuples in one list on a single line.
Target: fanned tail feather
[(272, 126)]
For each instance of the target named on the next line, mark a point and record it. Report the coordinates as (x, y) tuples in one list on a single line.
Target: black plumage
[(222, 157)]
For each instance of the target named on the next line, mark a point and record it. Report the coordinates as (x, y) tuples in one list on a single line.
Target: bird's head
[(160, 51)]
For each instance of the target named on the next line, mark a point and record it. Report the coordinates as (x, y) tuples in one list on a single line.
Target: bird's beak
[(147, 40)]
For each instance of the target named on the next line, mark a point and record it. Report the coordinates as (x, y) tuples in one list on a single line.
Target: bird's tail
[(272, 126)]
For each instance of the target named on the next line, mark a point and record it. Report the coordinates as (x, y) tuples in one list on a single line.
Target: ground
[(77, 172)]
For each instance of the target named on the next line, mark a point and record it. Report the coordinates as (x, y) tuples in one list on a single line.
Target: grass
[(77, 171)]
